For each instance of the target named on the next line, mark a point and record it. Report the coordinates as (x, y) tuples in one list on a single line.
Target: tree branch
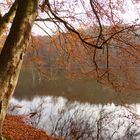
[(68, 26)]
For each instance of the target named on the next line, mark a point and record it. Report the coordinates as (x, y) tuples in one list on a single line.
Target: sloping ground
[(16, 129)]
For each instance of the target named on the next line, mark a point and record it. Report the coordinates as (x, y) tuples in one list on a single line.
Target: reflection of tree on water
[(80, 121), (80, 89)]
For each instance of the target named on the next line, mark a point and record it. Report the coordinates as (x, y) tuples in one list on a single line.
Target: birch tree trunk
[(11, 56)]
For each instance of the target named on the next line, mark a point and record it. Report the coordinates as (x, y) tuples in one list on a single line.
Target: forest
[(69, 70)]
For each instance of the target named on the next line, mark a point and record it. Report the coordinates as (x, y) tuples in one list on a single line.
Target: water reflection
[(80, 121), (82, 89)]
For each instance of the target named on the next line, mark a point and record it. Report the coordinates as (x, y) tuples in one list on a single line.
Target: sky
[(130, 16)]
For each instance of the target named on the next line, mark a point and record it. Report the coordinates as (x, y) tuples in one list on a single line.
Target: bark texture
[(11, 56)]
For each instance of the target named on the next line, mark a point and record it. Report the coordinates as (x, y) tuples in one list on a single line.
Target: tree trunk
[(13, 51), (4, 20)]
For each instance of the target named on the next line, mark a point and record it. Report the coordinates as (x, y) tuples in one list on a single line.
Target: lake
[(77, 109)]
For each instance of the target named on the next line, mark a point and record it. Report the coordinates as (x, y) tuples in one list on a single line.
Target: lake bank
[(16, 128)]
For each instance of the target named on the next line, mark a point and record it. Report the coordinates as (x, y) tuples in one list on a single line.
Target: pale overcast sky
[(131, 15)]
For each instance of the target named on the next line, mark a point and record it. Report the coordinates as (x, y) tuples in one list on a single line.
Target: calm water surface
[(77, 109)]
